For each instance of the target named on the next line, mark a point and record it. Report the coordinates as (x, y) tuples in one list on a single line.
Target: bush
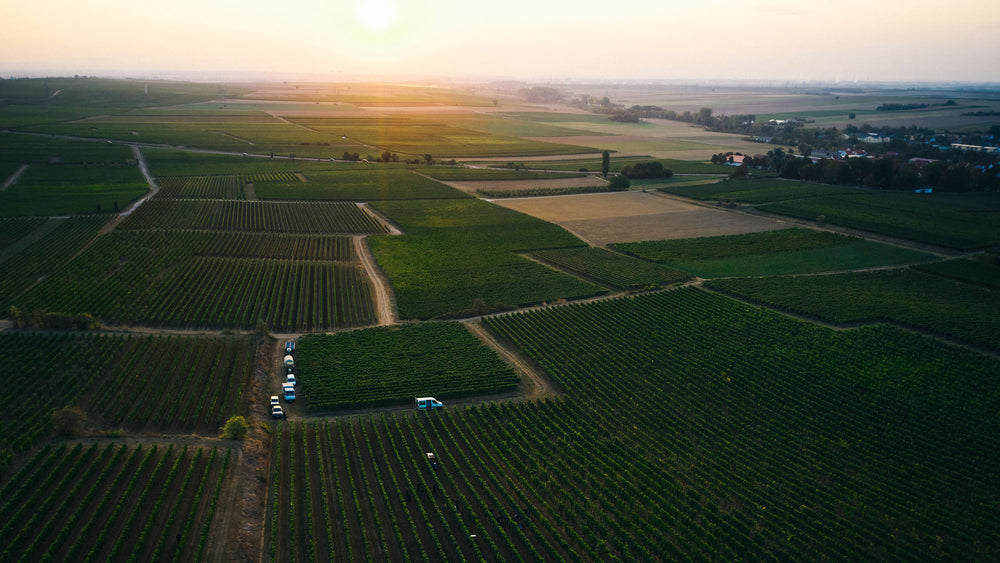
[(236, 428), (619, 183)]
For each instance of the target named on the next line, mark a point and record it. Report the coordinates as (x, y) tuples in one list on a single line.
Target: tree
[(428, 159), (235, 429), (605, 163), (619, 183), (741, 172), (851, 116)]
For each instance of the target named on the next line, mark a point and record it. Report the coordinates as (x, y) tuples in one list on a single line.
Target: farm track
[(10, 181), (539, 384), (385, 308)]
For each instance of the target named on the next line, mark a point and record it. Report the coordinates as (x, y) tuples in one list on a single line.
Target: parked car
[(277, 412)]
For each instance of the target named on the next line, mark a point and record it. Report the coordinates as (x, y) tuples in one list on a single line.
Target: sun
[(376, 15)]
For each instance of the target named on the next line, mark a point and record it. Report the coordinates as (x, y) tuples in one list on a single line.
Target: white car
[(275, 400), (277, 412), (290, 379)]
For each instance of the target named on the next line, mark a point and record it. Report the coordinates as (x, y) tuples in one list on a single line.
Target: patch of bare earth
[(249, 192), (245, 519), (606, 218)]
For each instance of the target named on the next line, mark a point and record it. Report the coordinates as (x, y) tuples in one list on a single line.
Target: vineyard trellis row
[(113, 502), (692, 427)]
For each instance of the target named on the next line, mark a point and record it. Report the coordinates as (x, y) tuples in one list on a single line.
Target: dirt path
[(153, 187), (14, 177), (242, 526), (385, 307), (536, 383)]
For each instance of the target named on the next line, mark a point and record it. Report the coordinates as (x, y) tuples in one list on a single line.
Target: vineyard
[(58, 240), (610, 268), (138, 383), (906, 297), (934, 220), (392, 365), (386, 182), (216, 187), (764, 190), (212, 279), (694, 427), (284, 217), (459, 257), (14, 229), (968, 271), (113, 503), (785, 251)]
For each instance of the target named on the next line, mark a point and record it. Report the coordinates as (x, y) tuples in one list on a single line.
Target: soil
[(244, 519), (385, 307), (606, 218)]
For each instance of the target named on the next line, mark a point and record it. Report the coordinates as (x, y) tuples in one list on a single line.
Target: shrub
[(236, 428), (619, 183)]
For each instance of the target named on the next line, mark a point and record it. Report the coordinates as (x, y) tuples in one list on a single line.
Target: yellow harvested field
[(602, 219)]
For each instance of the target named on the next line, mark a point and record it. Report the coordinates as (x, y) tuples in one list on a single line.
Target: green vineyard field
[(215, 280), (258, 216), (610, 268), (113, 503), (136, 383), (392, 365)]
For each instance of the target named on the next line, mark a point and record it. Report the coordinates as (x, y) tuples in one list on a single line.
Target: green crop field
[(459, 256), (138, 383), (61, 189), (50, 246), (12, 230), (959, 311), (610, 268), (785, 251), (114, 502), (616, 163), (434, 135), (286, 218), (375, 183), (217, 187), (969, 271), (949, 221), (212, 280), (732, 427), (813, 397), (764, 190), (45, 149), (392, 365)]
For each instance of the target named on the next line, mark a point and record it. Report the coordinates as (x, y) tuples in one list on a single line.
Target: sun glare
[(376, 14)]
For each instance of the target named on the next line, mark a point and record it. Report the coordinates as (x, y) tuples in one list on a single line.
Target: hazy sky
[(539, 39)]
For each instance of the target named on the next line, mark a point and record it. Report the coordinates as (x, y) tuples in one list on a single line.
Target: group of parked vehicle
[(288, 387)]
